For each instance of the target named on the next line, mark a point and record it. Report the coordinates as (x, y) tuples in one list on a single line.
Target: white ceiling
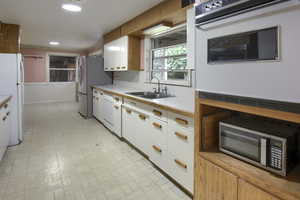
[(43, 20)]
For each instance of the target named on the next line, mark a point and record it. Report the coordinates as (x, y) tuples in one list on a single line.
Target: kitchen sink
[(149, 95)]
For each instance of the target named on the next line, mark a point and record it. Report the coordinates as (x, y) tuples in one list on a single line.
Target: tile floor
[(64, 157)]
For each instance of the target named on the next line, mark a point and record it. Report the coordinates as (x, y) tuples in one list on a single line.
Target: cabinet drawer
[(159, 113), (158, 155), (177, 120), (181, 170), (158, 132), (181, 142)]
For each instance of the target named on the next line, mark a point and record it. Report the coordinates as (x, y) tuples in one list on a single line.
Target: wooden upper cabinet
[(9, 38), (113, 35), (216, 183), (250, 192)]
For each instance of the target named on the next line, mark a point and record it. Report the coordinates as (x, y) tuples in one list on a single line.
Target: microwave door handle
[(241, 136), (263, 153)]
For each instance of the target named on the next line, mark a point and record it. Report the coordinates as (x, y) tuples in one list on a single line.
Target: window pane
[(178, 37), (176, 50), (62, 75), (177, 75), (176, 63), (62, 62)]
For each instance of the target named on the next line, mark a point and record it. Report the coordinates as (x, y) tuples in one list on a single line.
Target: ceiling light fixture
[(72, 7), (160, 28), (54, 43)]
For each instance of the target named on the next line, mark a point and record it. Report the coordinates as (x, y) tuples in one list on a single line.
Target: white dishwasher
[(108, 114)]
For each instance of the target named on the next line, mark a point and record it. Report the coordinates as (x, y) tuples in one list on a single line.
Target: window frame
[(63, 69), (188, 81)]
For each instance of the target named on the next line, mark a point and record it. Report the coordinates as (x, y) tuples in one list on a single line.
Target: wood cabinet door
[(216, 183), (247, 191)]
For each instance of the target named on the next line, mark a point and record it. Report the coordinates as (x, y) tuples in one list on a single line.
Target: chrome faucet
[(158, 85)]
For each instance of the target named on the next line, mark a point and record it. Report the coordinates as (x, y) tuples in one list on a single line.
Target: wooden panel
[(216, 183), (9, 38), (287, 188), (113, 35), (276, 114), (210, 129), (249, 192), (134, 53)]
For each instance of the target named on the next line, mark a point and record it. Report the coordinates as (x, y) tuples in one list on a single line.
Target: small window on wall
[(169, 58), (62, 68)]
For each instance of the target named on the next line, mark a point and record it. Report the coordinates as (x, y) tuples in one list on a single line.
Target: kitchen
[(168, 99)]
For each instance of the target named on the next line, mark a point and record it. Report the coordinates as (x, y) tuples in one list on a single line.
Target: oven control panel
[(213, 5)]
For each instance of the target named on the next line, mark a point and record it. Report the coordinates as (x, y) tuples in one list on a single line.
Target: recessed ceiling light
[(54, 43), (71, 7)]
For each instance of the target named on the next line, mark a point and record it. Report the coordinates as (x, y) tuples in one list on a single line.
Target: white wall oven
[(249, 49)]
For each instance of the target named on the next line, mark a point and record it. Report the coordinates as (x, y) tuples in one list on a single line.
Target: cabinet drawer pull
[(116, 107), (118, 67), (157, 113), (142, 117), (8, 113), (156, 148), (181, 164), (181, 136), (4, 118), (181, 121), (117, 99), (123, 67), (128, 111), (157, 125), (101, 93), (5, 106)]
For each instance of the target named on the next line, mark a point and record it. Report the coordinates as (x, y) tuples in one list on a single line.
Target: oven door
[(243, 144)]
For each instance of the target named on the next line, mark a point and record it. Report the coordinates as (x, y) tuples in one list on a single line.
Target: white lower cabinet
[(117, 118), (4, 129), (128, 125), (142, 132)]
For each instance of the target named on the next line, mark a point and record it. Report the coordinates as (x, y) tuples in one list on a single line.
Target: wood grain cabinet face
[(250, 192), (9, 38), (216, 183)]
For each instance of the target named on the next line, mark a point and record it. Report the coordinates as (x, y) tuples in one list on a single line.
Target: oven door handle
[(263, 152)]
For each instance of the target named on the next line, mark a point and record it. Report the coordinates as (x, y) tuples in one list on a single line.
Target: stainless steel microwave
[(269, 145)]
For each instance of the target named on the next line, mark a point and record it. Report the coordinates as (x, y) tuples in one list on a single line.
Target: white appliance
[(276, 79), (90, 73), (12, 83)]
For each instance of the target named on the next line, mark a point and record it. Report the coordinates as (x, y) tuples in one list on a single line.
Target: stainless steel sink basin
[(149, 95)]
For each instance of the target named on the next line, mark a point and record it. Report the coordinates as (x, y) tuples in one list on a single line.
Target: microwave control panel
[(276, 154)]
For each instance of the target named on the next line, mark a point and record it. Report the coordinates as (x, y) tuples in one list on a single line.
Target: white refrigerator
[(12, 83)]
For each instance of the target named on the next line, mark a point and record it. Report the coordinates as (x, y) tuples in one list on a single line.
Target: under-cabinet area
[(234, 160), (166, 138)]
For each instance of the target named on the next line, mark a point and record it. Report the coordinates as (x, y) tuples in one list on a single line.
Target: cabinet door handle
[(8, 113), (156, 148), (4, 118), (97, 98), (128, 111), (123, 67), (181, 136), (142, 117), (181, 121), (118, 67), (116, 107), (157, 125), (157, 113), (181, 164), (5, 106), (117, 99)]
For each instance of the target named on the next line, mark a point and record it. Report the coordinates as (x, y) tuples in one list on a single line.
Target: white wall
[(49, 92)]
